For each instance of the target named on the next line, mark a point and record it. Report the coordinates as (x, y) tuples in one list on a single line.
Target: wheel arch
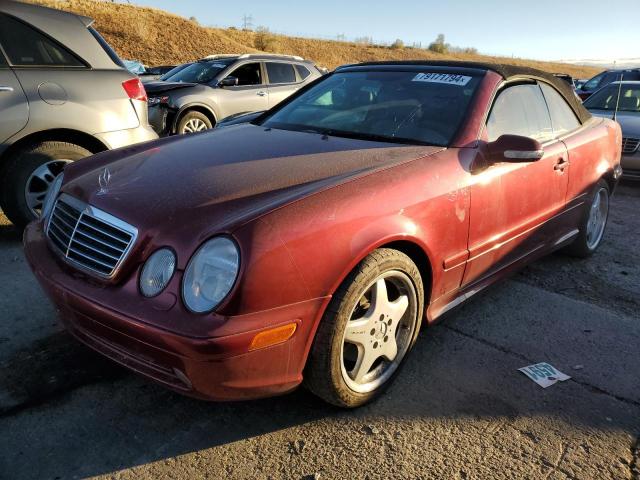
[(419, 256), (610, 178), (76, 137), (410, 246), (198, 107)]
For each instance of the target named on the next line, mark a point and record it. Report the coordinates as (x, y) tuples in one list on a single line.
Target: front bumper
[(631, 166), (212, 368), (161, 119)]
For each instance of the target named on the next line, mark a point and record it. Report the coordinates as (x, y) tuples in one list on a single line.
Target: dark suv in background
[(209, 90), (605, 78), (64, 95)]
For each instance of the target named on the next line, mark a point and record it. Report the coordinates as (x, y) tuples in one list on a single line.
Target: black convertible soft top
[(506, 71)]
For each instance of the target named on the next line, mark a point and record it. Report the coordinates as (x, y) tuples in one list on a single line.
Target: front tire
[(194, 122), (593, 223), (369, 327), (29, 174)]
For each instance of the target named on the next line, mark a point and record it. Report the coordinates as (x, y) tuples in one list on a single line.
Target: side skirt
[(449, 302)]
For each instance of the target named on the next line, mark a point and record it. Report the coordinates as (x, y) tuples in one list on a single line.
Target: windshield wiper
[(373, 137)]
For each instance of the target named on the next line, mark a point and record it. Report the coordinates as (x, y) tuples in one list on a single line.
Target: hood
[(629, 121), (214, 181), (159, 86)]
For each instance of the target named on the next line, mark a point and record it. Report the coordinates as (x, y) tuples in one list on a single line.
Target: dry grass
[(156, 37)]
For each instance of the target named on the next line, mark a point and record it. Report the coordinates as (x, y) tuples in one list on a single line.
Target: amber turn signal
[(273, 336)]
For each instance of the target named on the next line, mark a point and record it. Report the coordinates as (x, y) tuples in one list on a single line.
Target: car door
[(13, 103), (249, 95), (513, 205), (283, 81)]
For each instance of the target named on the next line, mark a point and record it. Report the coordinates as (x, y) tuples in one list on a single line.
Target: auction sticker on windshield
[(448, 78)]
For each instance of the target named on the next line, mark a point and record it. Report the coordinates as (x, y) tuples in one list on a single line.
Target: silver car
[(64, 95), (209, 90), (603, 104)]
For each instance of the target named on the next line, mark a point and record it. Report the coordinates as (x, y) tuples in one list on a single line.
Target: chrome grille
[(630, 145), (88, 237)]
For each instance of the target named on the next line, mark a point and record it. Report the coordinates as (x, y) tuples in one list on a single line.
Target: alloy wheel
[(194, 125), (379, 332), (39, 183), (597, 218)]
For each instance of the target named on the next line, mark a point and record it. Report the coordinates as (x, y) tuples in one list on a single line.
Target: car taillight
[(135, 89)]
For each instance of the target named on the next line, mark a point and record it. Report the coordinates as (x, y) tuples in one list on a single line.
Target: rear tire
[(593, 223), (28, 175), (367, 330), (194, 122)]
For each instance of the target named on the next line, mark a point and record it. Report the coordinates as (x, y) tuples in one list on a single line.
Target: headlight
[(152, 101), (157, 272), (210, 275), (50, 198)]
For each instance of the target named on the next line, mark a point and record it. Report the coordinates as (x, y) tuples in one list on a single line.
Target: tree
[(264, 40), (398, 44), (439, 46)]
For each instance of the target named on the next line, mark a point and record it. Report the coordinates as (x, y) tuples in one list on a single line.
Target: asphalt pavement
[(460, 408)]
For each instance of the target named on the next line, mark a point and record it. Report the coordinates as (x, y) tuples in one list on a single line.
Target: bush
[(398, 44), (265, 40), (439, 46)]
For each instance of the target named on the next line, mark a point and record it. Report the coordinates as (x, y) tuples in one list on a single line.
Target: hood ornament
[(103, 181)]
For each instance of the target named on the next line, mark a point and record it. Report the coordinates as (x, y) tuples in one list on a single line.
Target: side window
[(3, 61), (520, 110), (281, 72), (33, 49), (106, 47), (303, 71), (563, 119), (248, 74)]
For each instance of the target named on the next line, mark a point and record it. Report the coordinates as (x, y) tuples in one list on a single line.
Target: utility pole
[(247, 22)]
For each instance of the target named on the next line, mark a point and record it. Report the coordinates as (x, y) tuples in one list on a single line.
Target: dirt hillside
[(156, 37)]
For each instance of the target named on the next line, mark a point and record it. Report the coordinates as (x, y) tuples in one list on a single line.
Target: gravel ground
[(460, 409)]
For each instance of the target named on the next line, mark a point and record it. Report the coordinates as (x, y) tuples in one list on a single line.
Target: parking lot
[(460, 409)]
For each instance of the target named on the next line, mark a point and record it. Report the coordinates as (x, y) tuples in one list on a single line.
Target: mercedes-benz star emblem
[(103, 181)]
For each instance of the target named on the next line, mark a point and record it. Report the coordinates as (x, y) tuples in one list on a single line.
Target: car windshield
[(174, 70), (607, 98), (395, 106), (199, 72)]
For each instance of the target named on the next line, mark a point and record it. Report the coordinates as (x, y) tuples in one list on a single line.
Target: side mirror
[(228, 82), (515, 148)]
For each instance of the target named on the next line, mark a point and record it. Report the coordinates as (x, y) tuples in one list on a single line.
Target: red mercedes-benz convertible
[(310, 244)]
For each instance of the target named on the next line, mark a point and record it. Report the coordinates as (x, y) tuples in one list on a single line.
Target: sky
[(539, 29)]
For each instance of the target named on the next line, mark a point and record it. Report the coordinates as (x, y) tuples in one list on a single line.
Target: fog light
[(273, 336), (157, 272)]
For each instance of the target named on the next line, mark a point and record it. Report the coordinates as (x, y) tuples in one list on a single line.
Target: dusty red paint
[(301, 231)]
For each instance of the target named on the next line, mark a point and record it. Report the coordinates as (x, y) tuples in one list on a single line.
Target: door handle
[(261, 94), (4, 88), (561, 165)]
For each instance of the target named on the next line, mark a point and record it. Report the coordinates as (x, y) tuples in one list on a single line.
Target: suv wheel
[(370, 325), (29, 174), (192, 122)]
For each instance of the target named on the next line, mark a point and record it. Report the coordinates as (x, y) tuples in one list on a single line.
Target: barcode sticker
[(448, 78)]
